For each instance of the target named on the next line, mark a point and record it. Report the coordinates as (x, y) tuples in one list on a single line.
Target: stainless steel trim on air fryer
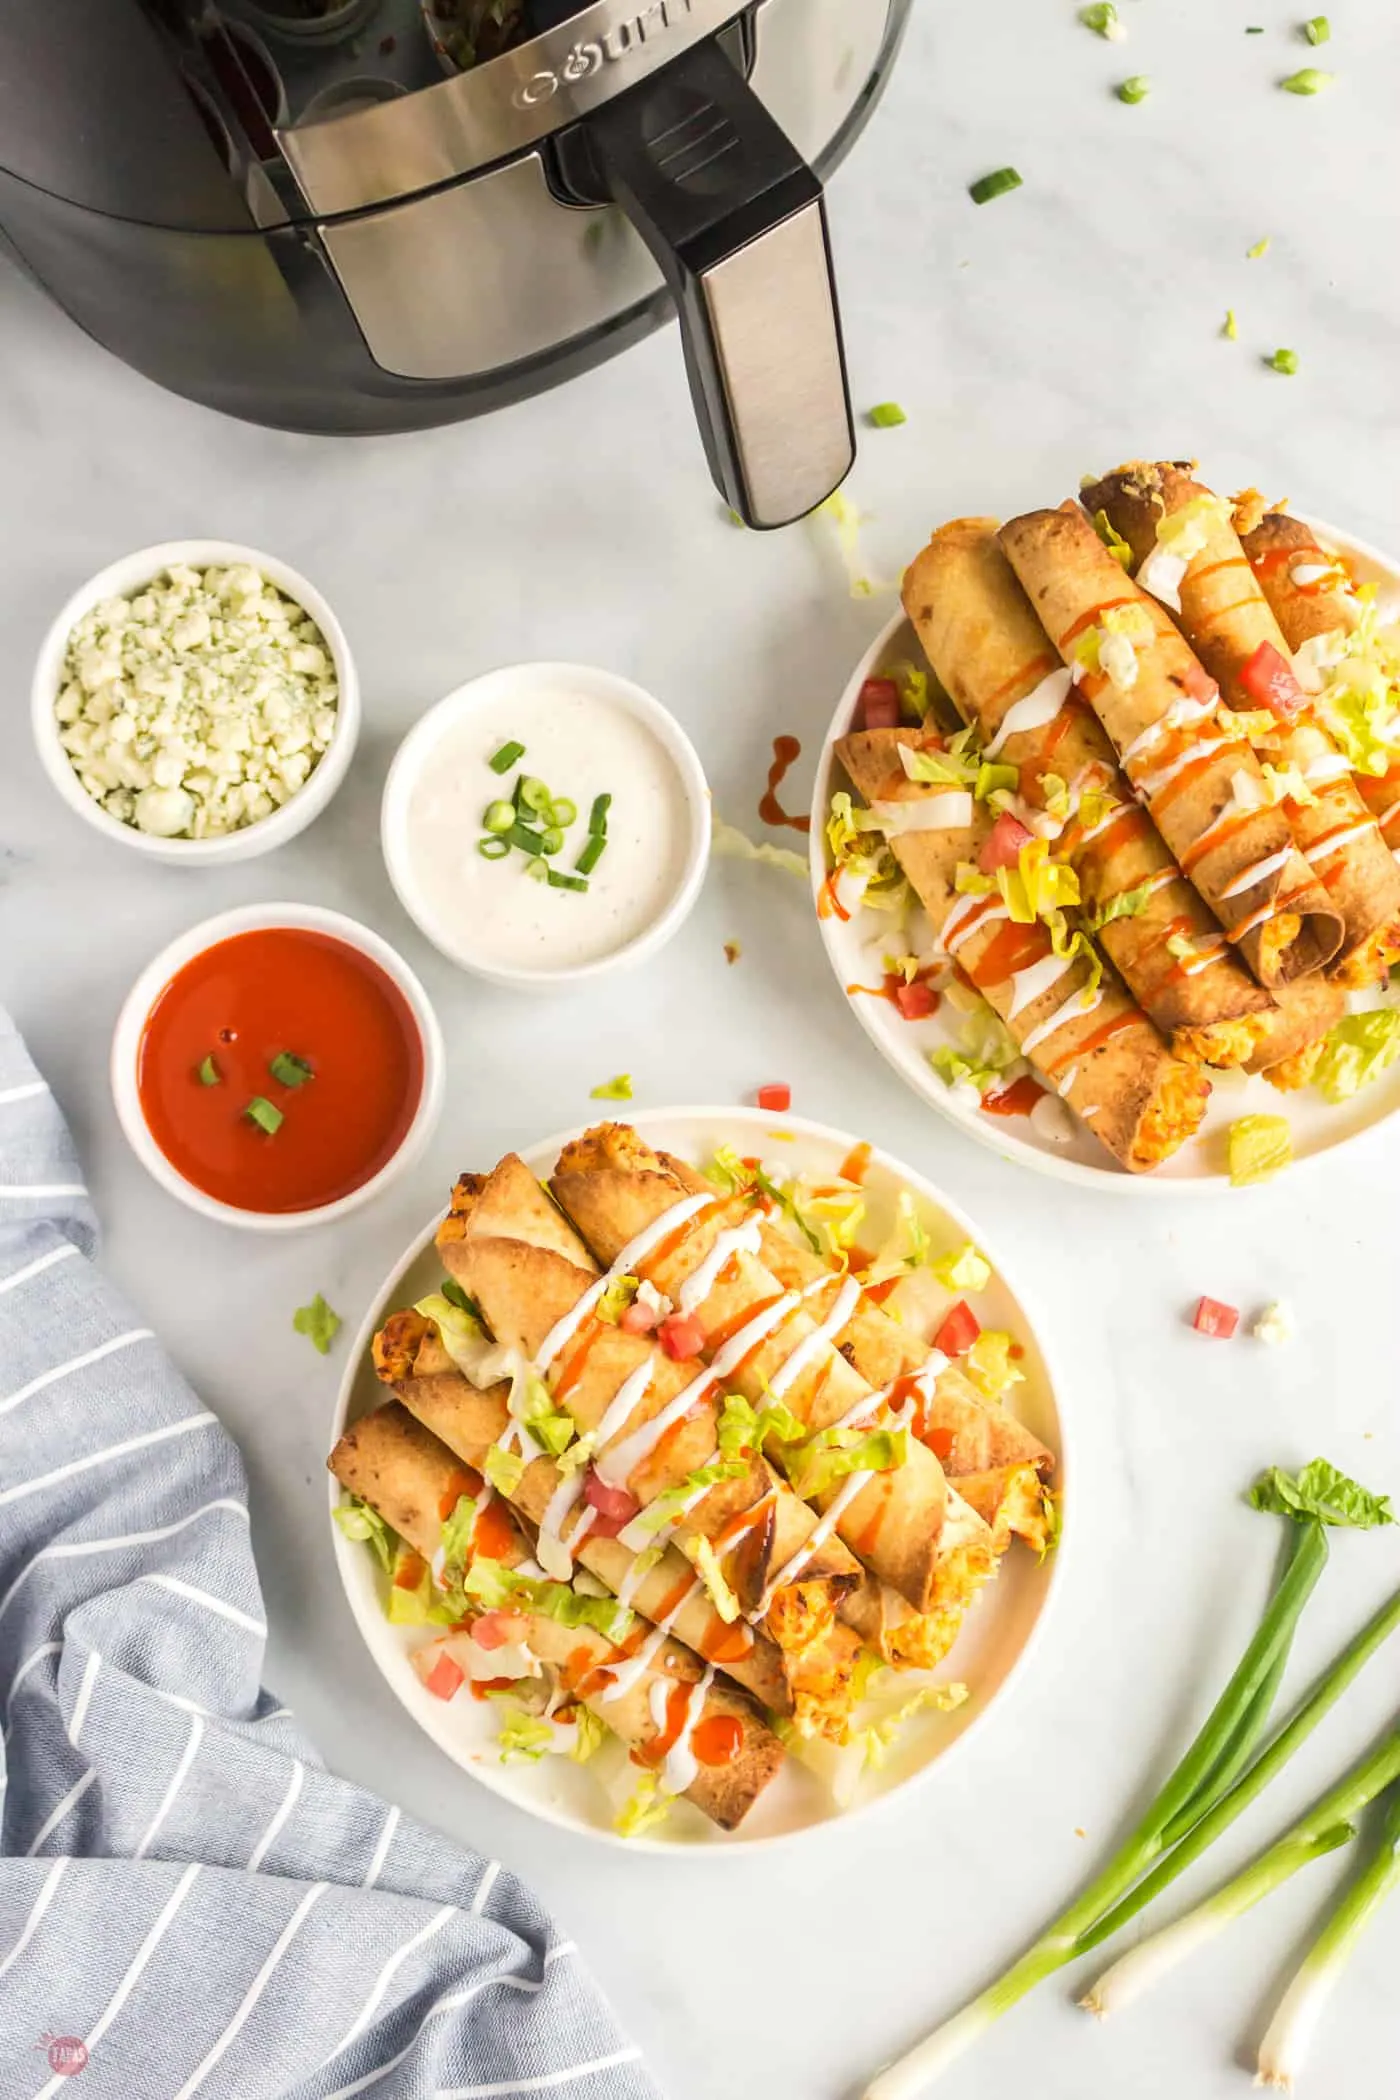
[(778, 349), (512, 273), (373, 156)]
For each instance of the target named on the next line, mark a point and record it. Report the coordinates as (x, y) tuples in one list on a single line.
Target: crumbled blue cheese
[(199, 704)]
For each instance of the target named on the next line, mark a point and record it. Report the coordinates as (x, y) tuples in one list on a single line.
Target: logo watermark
[(67, 2055)]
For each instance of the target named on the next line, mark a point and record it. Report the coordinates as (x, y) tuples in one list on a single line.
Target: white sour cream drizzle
[(816, 1539), (1032, 983), (680, 1766), (1338, 842), (1153, 783), (1303, 573), (553, 1553), (1161, 574), (1111, 816), (1327, 766), (1258, 872), (1161, 880), (1036, 711), (1248, 925), (563, 1330), (968, 916), (1051, 1120), (1075, 1007), (629, 1395), (1063, 1086), (634, 1667), (740, 1239), (637, 1536), (947, 812), (1210, 951), (1182, 714), (811, 1345)]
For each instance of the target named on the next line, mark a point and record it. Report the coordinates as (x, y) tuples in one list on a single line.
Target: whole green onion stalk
[(1292, 2027), (1321, 1828)]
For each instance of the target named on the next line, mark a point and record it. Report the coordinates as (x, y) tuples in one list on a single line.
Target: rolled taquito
[(648, 1689), (1315, 603), (904, 1522), (1226, 617), (1298, 1028), (654, 1423), (1003, 673), (411, 1358), (1095, 1047)]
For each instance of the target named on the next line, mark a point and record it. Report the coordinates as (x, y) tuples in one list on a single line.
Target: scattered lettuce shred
[(914, 698), (319, 1322), (619, 1089), (744, 1429), (616, 1298), (1259, 1146), (1114, 541), (1360, 698), (358, 1521), (668, 1506), (1128, 904), (523, 1735), (705, 1561), (985, 1053), (878, 1739), (532, 1404), (648, 1805), (504, 1469), (834, 1454), (728, 842), (418, 1602), (1319, 1491), (456, 1539), (965, 1270), (990, 1365), (848, 521), (1356, 1051), (494, 1587), (862, 858)]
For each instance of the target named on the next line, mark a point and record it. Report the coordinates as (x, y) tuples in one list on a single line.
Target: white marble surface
[(1050, 332)]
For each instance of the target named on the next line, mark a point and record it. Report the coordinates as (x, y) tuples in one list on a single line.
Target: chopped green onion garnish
[(209, 1073), (533, 795), (1102, 18), (598, 816), (1318, 30), (319, 1322), (1231, 330), (887, 415), (552, 840), (290, 1070), (262, 1112), (1306, 82), (994, 185), (1284, 361), (527, 840), (1255, 29), (506, 757), (1136, 88), (559, 881), (562, 813), (1260, 248), (537, 870), (499, 816), (454, 1294), (592, 853), (619, 1089), (493, 848)]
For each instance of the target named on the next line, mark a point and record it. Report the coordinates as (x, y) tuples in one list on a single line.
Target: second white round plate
[(1007, 1617)]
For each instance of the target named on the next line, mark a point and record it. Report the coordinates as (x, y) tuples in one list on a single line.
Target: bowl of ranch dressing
[(545, 823)]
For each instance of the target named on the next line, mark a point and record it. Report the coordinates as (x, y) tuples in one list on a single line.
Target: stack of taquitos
[(653, 1693)]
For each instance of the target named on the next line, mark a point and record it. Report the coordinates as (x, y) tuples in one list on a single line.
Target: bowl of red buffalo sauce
[(277, 1066)]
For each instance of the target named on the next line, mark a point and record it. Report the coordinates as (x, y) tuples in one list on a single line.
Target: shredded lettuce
[(648, 1806), (966, 1270), (986, 1051), (907, 1246), (619, 1089), (616, 1298), (938, 768), (828, 1212), (914, 701), (1258, 1147), (705, 1561), (1117, 546), (1356, 1051), (743, 1429), (869, 1665), (591, 1734), (420, 1602), (1286, 784), (524, 1735), (1186, 533), (989, 1363), (497, 1588), (863, 857), (727, 842), (578, 1453), (1360, 698), (848, 521), (504, 1469), (481, 1361), (666, 1507), (456, 1537), (532, 1404), (1320, 1491), (358, 1521), (454, 1294), (876, 1740), (1128, 904), (834, 1454)]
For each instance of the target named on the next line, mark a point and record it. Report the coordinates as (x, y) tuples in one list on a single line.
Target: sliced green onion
[(506, 757), (209, 1073), (886, 415), (1102, 18), (552, 840), (537, 870), (1318, 30), (558, 880), (532, 794), (1284, 361), (598, 816), (262, 1112), (563, 812), (1231, 330), (493, 847), (1260, 248), (1308, 81), (527, 840), (1255, 29), (994, 185), (499, 816), (1136, 88), (592, 853), (290, 1070)]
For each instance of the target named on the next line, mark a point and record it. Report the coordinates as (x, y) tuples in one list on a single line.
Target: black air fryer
[(373, 215)]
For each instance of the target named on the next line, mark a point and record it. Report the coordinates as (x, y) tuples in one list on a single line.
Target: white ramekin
[(330, 28), (119, 579), (516, 681), (253, 918)]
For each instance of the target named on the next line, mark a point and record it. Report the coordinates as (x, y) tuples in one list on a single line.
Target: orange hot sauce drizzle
[(1011, 948), (493, 1534), (463, 1482), (1208, 842), (786, 751), (856, 1165), (1018, 1099), (718, 1739)]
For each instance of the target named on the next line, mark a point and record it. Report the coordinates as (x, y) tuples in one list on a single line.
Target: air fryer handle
[(735, 219)]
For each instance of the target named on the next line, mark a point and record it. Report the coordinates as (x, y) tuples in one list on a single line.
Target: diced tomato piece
[(1211, 1317), (494, 1628), (777, 1097), (916, 1001), (638, 1319), (879, 704), (959, 1330), (681, 1336), (1267, 679), (1004, 842), (445, 1677), (614, 1504), (1197, 683)]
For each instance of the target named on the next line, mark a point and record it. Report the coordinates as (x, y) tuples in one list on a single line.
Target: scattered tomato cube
[(1267, 679), (1004, 842), (916, 1001), (777, 1097), (638, 1318), (681, 1336), (1213, 1318), (445, 1677), (959, 1331), (879, 704)]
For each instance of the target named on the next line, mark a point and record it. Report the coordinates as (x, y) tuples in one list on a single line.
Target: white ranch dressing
[(821, 1337), (582, 746), (1162, 574), (1051, 1120), (1153, 783), (1303, 573), (1075, 1006), (1110, 816), (1260, 871), (1161, 880), (968, 918), (680, 1766), (816, 1539), (1035, 980), (637, 1536), (1037, 710), (1210, 951), (629, 1395), (1063, 1086), (554, 1556), (1327, 766), (1338, 842), (1182, 714), (565, 1328), (634, 1667), (739, 1239), (951, 811)]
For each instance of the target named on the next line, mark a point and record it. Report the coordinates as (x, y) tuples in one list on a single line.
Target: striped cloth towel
[(189, 1902)]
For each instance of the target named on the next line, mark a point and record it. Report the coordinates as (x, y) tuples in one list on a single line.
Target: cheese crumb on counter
[(1274, 1325), (199, 704)]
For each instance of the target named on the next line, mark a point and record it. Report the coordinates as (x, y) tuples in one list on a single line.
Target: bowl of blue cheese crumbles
[(197, 701)]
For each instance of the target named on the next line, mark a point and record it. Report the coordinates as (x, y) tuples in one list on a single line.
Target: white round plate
[(854, 948), (990, 1650)]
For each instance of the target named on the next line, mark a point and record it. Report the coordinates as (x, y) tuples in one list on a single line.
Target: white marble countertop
[(1052, 331)]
